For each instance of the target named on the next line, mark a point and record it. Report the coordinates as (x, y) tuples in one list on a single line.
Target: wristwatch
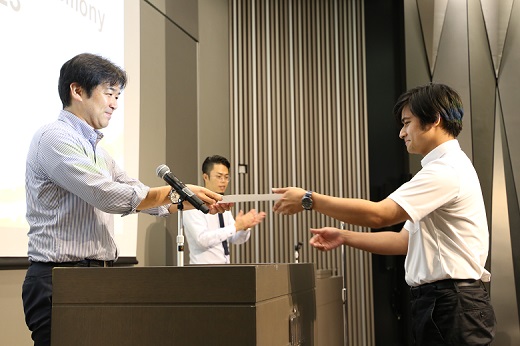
[(174, 196), (307, 200)]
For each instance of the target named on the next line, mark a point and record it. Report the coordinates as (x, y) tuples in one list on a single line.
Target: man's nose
[(113, 104)]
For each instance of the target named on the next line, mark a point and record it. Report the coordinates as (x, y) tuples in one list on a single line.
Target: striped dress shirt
[(73, 189)]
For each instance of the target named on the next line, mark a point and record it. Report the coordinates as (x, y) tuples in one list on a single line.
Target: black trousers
[(452, 314), (37, 302), (37, 297)]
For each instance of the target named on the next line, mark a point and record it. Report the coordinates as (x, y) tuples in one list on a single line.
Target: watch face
[(174, 196), (307, 203)]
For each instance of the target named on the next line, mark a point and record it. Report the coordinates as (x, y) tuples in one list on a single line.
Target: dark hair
[(89, 71), (430, 101), (208, 163)]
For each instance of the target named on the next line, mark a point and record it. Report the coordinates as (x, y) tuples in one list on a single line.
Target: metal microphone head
[(162, 170)]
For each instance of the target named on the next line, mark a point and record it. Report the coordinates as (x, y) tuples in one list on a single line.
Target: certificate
[(251, 198)]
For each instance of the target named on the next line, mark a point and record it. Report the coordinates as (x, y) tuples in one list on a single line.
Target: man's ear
[(438, 121), (205, 177), (76, 92)]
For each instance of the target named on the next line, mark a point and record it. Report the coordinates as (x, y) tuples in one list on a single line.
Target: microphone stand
[(180, 233), (297, 249), (344, 289)]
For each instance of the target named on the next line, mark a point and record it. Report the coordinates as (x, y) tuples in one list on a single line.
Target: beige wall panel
[(182, 13), (182, 137), (152, 234), (14, 331), (214, 76)]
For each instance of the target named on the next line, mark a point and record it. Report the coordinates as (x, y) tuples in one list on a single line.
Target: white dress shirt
[(449, 235), (205, 236)]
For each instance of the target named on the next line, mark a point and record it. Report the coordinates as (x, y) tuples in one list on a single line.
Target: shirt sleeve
[(90, 174), (121, 176), (162, 211), (429, 189)]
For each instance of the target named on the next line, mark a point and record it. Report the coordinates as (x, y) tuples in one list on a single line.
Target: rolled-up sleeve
[(92, 175)]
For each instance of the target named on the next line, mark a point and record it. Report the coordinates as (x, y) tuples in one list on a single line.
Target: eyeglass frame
[(221, 177)]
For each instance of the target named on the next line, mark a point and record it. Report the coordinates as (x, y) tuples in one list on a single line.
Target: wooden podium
[(242, 305)]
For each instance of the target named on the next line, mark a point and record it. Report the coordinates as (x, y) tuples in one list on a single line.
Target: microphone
[(163, 172)]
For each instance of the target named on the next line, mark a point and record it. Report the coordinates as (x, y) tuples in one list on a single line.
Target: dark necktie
[(224, 243)]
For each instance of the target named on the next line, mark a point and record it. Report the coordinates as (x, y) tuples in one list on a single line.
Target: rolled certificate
[(250, 198)]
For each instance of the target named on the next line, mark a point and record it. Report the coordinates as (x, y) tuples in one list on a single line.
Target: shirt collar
[(81, 127), (440, 150)]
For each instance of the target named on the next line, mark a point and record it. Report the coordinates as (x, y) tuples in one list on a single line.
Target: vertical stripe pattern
[(299, 119)]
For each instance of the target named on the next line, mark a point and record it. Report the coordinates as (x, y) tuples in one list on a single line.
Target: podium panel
[(264, 304)]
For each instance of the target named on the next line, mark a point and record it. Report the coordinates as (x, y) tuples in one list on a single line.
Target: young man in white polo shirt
[(445, 236)]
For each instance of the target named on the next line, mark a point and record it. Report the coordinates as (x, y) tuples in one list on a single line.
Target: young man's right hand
[(248, 220)]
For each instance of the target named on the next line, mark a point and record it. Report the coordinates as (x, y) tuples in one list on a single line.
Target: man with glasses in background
[(209, 236)]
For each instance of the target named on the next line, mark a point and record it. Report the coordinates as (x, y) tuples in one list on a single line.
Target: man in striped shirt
[(74, 187)]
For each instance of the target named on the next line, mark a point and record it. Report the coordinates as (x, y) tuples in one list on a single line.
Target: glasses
[(221, 177)]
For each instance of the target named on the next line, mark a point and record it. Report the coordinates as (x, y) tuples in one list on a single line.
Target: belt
[(82, 263), (445, 284)]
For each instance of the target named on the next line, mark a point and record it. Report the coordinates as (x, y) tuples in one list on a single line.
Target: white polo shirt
[(449, 235)]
